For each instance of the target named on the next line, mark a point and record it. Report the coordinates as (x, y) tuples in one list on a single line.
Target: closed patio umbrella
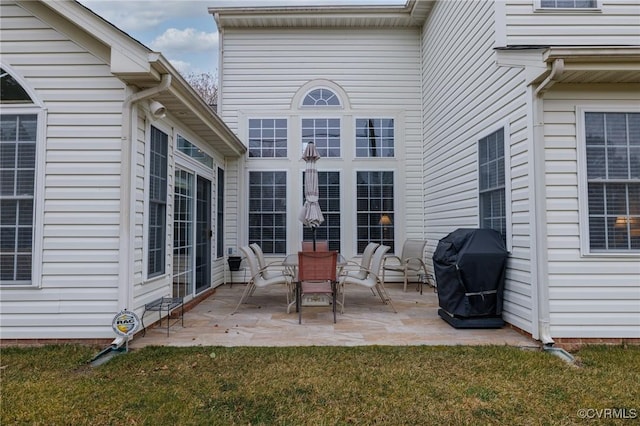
[(311, 214)]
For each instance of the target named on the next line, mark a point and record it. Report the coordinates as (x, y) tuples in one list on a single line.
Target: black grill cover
[(470, 266)]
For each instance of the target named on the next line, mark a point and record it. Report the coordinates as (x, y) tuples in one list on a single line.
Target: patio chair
[(322, 245), (364, 265), (258, 280), (317, 275), (372, 280), (410, 261), (269, 270)]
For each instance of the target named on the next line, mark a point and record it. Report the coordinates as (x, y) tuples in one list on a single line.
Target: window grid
[(268, 211), (613, 180), (18, 135), (157, 202), (321, 97), (374, 137), (329, 200), (569, 4), (491, 167), (375, 199), (183, 234), (268, 138), (325, 133)]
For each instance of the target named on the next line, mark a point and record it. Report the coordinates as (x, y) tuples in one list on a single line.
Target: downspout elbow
[(557, 69)]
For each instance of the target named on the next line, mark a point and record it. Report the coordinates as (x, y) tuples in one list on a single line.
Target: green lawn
[(416, 385)]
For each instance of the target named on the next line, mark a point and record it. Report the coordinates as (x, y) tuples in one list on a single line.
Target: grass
[(479, 385)]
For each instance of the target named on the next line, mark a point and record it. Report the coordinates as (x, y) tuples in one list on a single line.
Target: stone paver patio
[(263, 321)]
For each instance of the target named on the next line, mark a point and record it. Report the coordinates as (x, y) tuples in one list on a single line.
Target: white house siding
[(262, 69), (616, 23), (466, 97), (591, 295), (77, 291)]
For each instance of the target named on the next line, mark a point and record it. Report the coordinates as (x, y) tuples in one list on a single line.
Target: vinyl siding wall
[(262, 71), (616, 23), (590, 295), (76, 293), (466, 97)]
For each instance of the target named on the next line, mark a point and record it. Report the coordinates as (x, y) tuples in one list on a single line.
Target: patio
[(366, 321)]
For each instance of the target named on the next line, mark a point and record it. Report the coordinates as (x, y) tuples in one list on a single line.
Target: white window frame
[(377, 116), (507, 178), (287, 218), (583, 192), (284, 117), (539, 8), (37, 244), (169, 233)]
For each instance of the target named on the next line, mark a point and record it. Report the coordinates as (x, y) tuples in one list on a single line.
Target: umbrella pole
[(314, 238)]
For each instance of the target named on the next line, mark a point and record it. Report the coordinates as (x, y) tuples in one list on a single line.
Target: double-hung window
[(612, 141), (491, 186), (157, 218)]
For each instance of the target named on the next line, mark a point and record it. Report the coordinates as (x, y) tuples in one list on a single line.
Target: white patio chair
[(364, 265), (372, 279), (258, 280), (410, 261), (269, 270)]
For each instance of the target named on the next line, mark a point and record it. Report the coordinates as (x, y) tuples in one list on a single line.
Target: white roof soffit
[(311, 13), (588, 64)]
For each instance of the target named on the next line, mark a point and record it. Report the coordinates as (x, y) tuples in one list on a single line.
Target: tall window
[(569, 4), (157, 219), (325, 133), (329, 199), (18, 138), (374, 137), (268, 211), (491, 161), (613, 179), (375, 216), (183, 234), (17, 182), (220, 214), (268, 138)]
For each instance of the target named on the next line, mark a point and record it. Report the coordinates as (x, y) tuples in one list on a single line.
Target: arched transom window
[(321, 97)]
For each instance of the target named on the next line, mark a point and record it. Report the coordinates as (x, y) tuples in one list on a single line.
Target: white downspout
[(127, 209), (539, 201)]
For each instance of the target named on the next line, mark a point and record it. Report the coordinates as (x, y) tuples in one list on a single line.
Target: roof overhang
[(545, 66), (251, 14), (141, 68)]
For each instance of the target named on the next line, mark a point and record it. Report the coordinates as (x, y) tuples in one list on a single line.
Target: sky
[(183, 30)]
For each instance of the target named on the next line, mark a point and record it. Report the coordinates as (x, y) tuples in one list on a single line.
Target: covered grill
[(470, 268)]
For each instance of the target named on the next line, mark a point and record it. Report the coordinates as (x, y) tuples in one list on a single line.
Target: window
[(321, 97), (374, 137), (268, 211), (613, 180), (18, 134), (183, 200), (325, 133), (569, 4), (11, 92), (194, 152), (492, 193), (220, 214), (268, 138), (375, 218), (157, 220), (329, 200)]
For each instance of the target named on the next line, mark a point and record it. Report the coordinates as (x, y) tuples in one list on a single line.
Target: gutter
[(557, 68), (127, 212)]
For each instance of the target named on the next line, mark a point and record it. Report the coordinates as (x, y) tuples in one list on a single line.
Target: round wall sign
[(125, 323)]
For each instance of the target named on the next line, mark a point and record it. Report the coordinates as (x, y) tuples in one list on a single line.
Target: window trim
[(505, 125), (583, 186), (37, 233)]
